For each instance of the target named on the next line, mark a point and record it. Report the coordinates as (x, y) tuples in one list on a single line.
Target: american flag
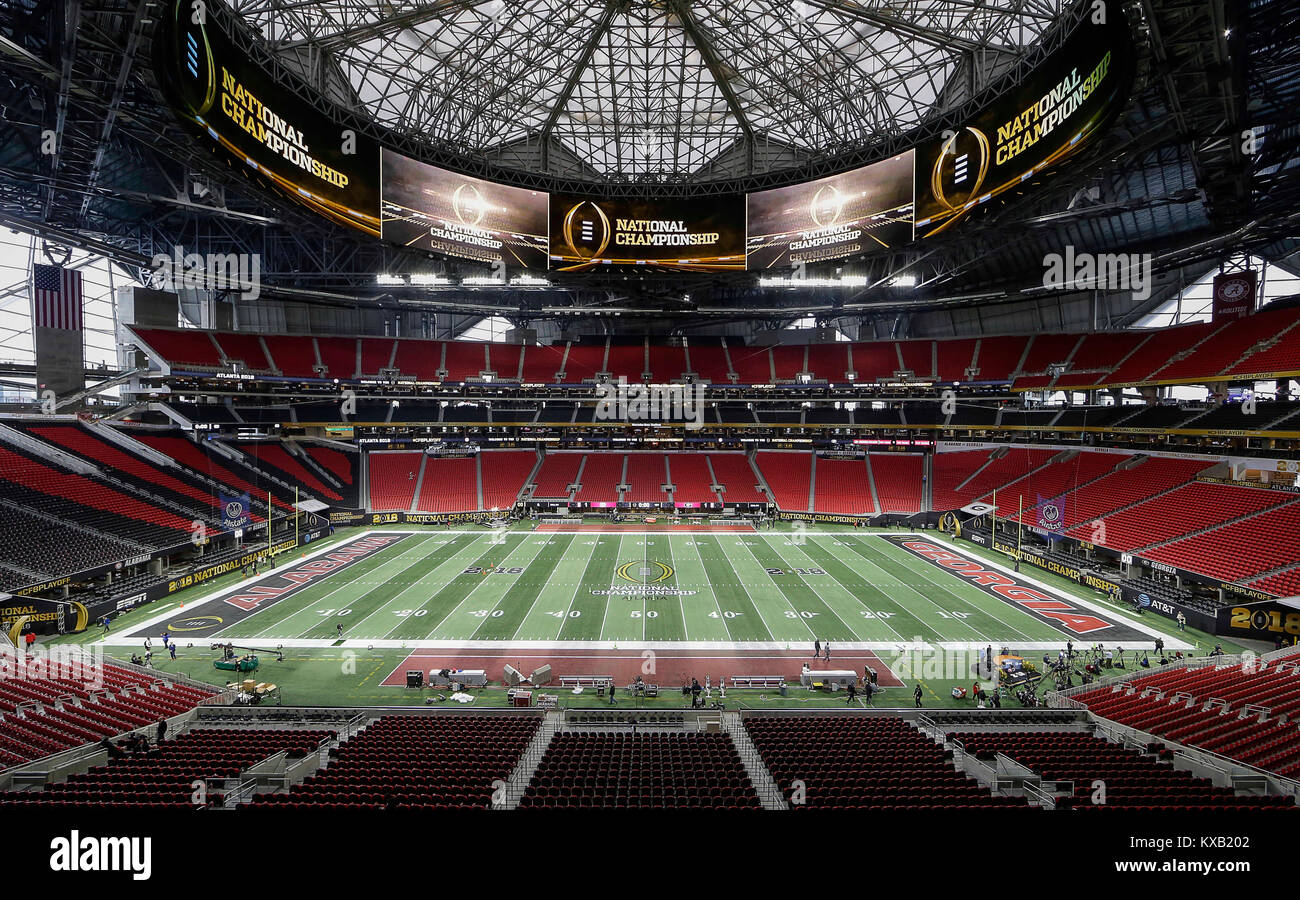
[(56, 297)]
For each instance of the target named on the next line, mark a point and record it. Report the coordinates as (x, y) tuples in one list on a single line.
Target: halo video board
[(433, 209), (864, 209), (663, 233)]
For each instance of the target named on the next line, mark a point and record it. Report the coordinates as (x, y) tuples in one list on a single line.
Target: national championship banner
[(1234, 295), (854, 212), (1068, 100), (234, 511), (436, 210), (665, 233), (218, 90)]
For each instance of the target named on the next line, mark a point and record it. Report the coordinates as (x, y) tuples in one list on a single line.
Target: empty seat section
[(950, 470), (583, 362), (1133, 780), (164, 776), (503, 359), (542, 363), (294, 356), (641, 770), (874, 360), (788, 475), (1239, 550), (1181, 511), (376, 354), (1048, 350), (600, 478), (557, 472), (414, 762), (419, 358), (753, 365), (998, 357), (788, 362), (828, 362), (898, 479), (449, 485), (246, 348), (646, 475), (275, 456), (666, 363), (860, 762), (465, 360), (336, 462), (393, 477), (339, 356), (627, 361), (191, 456), (1090, 503), (182, 348), (504, 474), (736, 475), (918, 358), (843, 488), (709, 361), (953, 358), (690, 477)]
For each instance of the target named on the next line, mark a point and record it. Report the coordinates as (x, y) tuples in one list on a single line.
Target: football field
[(754, 589)]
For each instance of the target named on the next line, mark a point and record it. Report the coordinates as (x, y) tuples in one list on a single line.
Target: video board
[(864, 209), (437, 210), (662, 233), (1055, 111), (220, 92)]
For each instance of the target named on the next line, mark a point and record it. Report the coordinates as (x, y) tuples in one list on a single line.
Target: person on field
[(917, 694)]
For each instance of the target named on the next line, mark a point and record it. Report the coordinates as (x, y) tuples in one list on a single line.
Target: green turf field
[(757, 588)]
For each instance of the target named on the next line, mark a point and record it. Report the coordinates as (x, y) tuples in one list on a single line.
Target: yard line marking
[(484, 578), (572, 597), (853, 631)]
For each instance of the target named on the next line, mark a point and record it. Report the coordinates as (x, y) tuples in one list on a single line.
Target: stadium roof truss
[(654, 91)]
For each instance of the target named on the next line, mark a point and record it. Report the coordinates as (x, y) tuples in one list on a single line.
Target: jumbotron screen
[(831, 218), (667, 233), (216, 88), (1067, 100), (433, 209)]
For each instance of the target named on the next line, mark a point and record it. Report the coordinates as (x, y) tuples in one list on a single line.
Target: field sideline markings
[(1171, 642), (717, 604), (421, 582), (813, 584), (243, 584), (859, 549), (748, 597), (524, 571), (418, 549), (908, 561), (403, 550), (797, 614)]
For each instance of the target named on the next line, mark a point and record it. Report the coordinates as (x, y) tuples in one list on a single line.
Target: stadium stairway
[(531, 758), (769, 793)]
